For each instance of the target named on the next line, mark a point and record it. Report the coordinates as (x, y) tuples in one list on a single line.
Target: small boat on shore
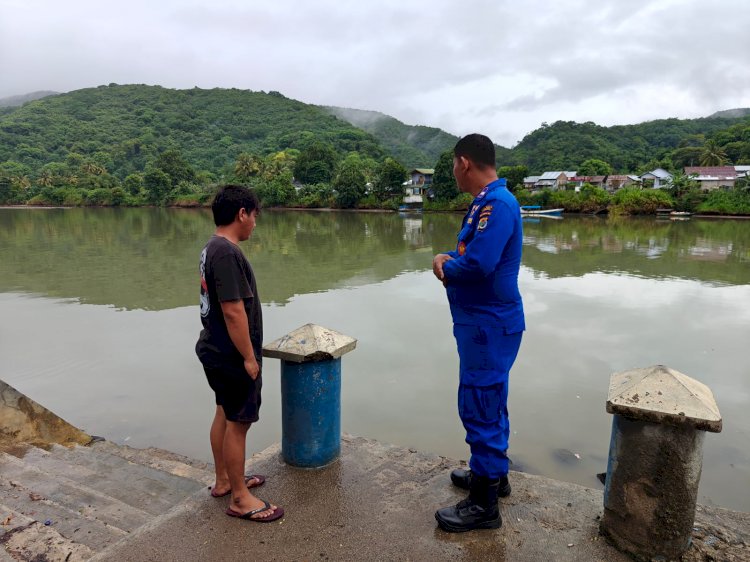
[(536, 210)]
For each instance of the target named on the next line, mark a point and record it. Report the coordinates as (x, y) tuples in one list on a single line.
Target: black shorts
[(236, 392)]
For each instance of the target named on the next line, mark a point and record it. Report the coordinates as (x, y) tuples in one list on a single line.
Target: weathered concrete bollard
[(655, 459), (310, 393)]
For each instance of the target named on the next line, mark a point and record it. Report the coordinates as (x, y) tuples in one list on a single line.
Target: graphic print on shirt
[(205, 302)]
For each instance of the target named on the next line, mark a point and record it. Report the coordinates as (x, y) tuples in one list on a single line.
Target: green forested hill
[(564, 145), (123, 128), (733, 113), (415, 146)]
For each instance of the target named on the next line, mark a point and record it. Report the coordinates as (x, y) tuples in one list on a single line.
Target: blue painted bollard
[(310, 393)]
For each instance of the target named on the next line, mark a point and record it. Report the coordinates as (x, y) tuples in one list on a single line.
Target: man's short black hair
[(477, 148), (228, 202)]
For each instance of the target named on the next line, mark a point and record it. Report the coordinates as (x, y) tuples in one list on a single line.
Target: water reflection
[(145, 258), (714, 251)]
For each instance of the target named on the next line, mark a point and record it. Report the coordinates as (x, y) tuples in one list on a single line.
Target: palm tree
[(247, 166), (93, 169), (46, 178), (713, 154), (21, 181)]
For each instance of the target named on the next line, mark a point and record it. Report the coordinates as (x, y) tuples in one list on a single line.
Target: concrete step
[(71, 495), (23, 538), (144, 487), (74, 525), (162, 460)]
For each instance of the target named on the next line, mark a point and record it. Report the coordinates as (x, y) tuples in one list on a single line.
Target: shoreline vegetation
[(728, 204)]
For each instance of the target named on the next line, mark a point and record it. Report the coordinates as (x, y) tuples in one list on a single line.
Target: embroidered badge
[(471, 220), (461, 248), (484, 217)]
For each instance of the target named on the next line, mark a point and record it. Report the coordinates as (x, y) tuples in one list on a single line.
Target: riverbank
[(337, 210)]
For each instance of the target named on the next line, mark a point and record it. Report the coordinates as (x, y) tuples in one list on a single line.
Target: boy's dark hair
[(228, 202), (477, 148)]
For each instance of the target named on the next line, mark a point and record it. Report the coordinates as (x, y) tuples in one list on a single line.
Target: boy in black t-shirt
[(230, 347)]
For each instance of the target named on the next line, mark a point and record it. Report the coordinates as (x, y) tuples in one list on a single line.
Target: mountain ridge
[(126, 126)]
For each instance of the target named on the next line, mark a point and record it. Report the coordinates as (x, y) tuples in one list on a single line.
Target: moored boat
[(536, 210)]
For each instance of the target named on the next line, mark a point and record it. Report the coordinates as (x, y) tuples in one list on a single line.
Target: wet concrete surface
[(377, 502)]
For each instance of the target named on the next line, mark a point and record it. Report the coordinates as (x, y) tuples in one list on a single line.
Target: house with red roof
[(712, 177)]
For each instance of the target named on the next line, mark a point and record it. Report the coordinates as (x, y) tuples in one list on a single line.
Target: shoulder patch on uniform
[(484, 217)]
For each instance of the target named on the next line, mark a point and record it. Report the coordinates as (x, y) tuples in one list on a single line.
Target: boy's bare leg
[(218, 429), (234, 461)]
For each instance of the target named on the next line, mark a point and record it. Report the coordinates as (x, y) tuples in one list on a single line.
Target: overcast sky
[(498, 67)]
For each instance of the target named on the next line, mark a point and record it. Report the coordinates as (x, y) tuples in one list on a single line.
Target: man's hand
[(437, 266), (252, 367)]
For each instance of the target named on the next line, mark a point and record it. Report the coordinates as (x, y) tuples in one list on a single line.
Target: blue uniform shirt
[(482, 279)]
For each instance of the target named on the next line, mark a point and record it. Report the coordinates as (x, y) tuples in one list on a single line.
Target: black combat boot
[(462, 478), (478, 511)]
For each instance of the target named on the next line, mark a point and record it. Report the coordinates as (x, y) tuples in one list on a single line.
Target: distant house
[(742, 171), (656, 179), (596, 181), (552, 180), (530, 182), (712, 177), (615, 182), (420, 180)]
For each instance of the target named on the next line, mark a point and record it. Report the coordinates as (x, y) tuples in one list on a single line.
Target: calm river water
[(99, 313)]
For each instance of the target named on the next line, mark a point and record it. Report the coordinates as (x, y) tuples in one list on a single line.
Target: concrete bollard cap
[(310, 343), (662, 395)]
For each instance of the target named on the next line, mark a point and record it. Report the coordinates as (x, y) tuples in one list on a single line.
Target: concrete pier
[(376, 502)]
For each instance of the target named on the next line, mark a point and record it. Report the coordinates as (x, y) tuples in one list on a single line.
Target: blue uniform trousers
[(486, 357)]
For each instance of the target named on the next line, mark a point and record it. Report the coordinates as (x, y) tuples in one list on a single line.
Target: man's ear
[(464, 163)]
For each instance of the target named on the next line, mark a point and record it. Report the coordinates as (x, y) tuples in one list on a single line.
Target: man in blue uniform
[(481, 280)]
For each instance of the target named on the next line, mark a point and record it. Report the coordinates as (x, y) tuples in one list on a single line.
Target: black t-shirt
[(226, 275)]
